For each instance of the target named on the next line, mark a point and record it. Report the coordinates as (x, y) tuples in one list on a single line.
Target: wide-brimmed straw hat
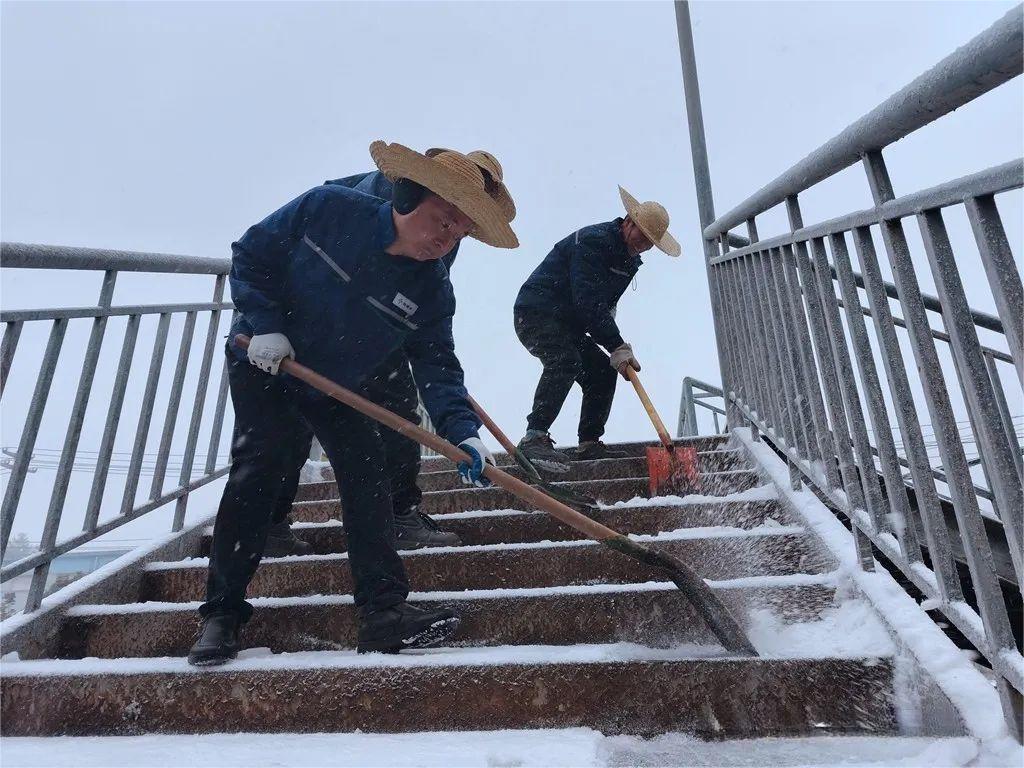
[(453, 177), (494, 181), (652, 218)]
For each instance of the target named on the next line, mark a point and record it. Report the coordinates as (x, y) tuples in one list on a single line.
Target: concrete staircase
[(556, 631)]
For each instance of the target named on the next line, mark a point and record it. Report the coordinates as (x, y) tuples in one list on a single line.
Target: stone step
[(481, 499), (598, 469), (702, 444), (713, 553), (521, 526), (614, 689), (656, 615)]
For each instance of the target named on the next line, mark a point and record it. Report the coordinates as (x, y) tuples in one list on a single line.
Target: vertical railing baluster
[(70, 446), (740, 357), (819, 439), (7, 349), (218, 420), (873, 503), (1001, 269), (173, 404), (892, 474), (833, 397), (1004, 412), (198, 406), (778, 414), (99, 479), (27, 443), (996, 453), (797, 437), (145, 414)]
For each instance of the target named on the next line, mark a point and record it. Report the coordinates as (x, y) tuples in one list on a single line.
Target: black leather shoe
[(218, 640), (414, 530), (390, 630), (281, 542)]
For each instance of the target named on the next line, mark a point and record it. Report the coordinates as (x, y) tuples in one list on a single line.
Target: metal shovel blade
[(673, 473)]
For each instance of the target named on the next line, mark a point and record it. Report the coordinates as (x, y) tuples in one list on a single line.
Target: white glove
[(623, 356), (267, 350), (473, 473)]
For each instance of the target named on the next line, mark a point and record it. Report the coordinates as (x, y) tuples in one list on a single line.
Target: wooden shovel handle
[(528, 493), (659, 425)]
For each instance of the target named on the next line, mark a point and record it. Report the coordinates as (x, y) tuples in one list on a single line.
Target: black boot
[(595, 449), (389, 630), (281, 542), (540, 450), (414, 530), (218, 640)]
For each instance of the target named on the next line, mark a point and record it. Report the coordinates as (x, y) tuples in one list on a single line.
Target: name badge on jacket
[(405, 304)]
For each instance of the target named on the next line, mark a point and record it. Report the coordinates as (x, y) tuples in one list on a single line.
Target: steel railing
[(695, 395), (794, 377), (190, 478)]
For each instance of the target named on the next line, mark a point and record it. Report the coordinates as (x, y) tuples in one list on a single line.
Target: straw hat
[(494, 180), (453, 177), (652, 218)]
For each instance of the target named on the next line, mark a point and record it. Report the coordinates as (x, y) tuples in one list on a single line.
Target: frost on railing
[(898, 406), (110, 403)]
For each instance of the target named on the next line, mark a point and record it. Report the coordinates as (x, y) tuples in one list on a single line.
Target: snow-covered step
[(470, 499), (654, 614), (750, 509), (703, 444), (616, 689), (578, 747), (714, 553), (600, 469)]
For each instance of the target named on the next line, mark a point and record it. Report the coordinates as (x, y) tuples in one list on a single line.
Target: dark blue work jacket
[(580, 282), (316, 270)]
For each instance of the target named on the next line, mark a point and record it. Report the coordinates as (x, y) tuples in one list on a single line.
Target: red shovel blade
[(673, 473)]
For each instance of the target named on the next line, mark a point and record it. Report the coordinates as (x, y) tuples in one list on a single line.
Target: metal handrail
[(799, 366), (111, 263), (690, 400), (986, 62)]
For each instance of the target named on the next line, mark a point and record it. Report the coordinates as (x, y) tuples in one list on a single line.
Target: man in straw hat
[(340, 280), (565, 312), (391, 386)]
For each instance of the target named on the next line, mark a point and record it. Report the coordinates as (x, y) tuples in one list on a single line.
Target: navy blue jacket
[(377, 184), (581, 281), (316, 271)]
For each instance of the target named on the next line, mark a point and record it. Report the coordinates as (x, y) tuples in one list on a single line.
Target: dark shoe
[(405, 626), (281, 542), (540, 450), (218, 640), (414, 530), (595, 449)]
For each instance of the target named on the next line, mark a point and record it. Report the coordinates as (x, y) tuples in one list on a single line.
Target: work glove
[(472, 473), (623, 356), (267, 350)]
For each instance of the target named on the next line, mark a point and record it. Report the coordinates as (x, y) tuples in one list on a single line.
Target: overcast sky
[(171, 127)]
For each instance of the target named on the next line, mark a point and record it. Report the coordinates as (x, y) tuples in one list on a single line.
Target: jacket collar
[(385, 232)]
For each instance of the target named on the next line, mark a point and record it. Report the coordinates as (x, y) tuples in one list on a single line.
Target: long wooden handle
[(659, 425), (493, 428), (528, 493)]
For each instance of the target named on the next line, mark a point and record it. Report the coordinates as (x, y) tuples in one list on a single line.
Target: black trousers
[(568, 356), (267, 410), (393, 388)]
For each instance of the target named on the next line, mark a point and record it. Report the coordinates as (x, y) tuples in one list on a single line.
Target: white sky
[(171, 127)]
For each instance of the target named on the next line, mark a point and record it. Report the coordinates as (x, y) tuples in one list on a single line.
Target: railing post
[(702, 178)]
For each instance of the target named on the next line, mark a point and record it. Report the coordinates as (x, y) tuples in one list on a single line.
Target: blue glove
[(472, 473)]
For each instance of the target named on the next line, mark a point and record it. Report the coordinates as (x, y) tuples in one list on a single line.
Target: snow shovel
[(564, 495), (710, 608), (672, 469)]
